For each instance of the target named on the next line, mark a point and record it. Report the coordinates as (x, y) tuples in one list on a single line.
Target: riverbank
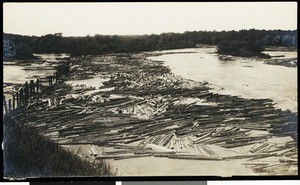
[(29, 155), (134, 107)]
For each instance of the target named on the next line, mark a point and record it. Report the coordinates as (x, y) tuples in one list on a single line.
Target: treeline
[(252, 39)]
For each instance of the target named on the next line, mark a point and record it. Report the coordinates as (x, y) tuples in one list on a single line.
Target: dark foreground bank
[(28, 154)]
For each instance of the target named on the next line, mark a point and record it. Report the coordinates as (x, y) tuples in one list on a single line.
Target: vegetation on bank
[(27, 154), (17, 51), (104, 44), (242, 48)]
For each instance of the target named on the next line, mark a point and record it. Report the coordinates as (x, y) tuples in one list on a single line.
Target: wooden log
[(146, 141), (156, 141), (255, 163), (133, 140), (195, 157), (172, 144), (262, 156), (167, 140), (290, 161), (254, 150), (119, 157), (246, 156)]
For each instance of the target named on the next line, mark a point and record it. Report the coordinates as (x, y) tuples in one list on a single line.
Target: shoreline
[(150, 105)]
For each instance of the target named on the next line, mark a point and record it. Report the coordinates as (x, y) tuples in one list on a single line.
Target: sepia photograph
[(150, 89)]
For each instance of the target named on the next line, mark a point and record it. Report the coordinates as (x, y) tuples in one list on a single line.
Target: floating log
[(194, 157)]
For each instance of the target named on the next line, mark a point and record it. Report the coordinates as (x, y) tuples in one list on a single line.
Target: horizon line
[(148, 34)]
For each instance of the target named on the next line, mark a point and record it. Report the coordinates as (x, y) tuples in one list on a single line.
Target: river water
[(18, 74), (14, 73), (248, 78)]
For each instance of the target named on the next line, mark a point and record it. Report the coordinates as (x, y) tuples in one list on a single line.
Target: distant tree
[(244, 42), (23, 51), (9, 49)]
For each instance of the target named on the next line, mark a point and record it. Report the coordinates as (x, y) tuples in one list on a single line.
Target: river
[(248, 78), (16, 74), (13, 73)]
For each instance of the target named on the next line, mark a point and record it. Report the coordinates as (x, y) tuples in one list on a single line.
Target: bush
[(242, 48)]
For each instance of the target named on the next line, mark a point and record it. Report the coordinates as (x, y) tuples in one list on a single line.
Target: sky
[(81, 19)]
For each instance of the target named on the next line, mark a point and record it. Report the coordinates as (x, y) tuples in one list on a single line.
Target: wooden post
[(67, 69), (37, 86), (56, 76), (18, 99), (26, 93), (32, 87), (5, 105), (21, 97), (9, 105), (49, 80), (14, 100)]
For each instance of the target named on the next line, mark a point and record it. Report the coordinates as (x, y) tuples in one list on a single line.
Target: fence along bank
[(32, 88)]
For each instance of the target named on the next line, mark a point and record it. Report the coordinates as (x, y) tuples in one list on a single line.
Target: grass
[(28, 154)]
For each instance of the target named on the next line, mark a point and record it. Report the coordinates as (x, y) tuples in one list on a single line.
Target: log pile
[(144, 115)]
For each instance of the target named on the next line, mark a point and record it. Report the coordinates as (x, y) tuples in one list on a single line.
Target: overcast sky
[(80, 19)]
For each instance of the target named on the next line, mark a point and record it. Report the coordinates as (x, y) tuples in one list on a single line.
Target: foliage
[(242, 48), (23, 51), (104, 44), (9, 49)]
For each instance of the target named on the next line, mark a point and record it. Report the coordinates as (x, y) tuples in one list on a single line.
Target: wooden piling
[(56, 76), (14, 100), (18, 99), (37, 85), (22, 96), (5, 104), (9, 106), (32, 88), (26, 93)]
